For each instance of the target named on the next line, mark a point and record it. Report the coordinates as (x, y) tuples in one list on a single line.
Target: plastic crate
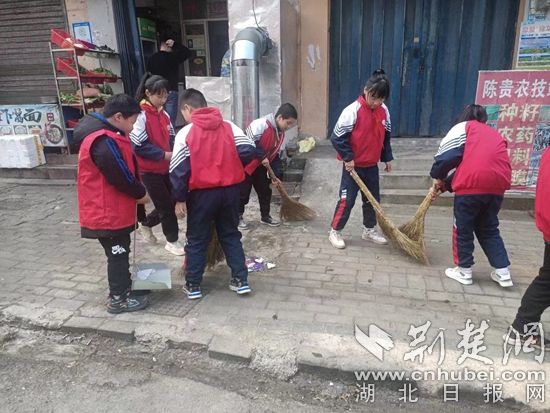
[(67, 66), (65, 41)]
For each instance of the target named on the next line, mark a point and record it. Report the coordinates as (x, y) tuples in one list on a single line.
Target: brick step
[(67, 172), (405, 180), (512, 200)]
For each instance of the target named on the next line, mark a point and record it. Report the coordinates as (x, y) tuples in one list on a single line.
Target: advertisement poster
[(518, 105), (44, 120), (534, 46)]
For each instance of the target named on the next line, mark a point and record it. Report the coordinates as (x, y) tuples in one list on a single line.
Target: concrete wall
[(290, 60), (314, 66), (100, 15)]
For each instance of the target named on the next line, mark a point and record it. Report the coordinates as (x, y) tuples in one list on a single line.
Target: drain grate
[(171, 303)]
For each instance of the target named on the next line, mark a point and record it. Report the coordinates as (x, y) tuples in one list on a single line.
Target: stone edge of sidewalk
[(329, 356)]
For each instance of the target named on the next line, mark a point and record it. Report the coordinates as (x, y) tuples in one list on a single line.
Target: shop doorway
[(200, 25)]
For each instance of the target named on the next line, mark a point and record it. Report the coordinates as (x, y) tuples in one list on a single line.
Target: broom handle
[(270, 172), (273, 176), (366, 191)]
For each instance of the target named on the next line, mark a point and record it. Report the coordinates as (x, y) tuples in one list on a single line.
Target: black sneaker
[(126, 303), (239, 286), (532, 340), (193, 291), (270, 221)]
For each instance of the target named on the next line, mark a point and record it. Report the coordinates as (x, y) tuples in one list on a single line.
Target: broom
[(291, 210), (214, 254), (410, 237)]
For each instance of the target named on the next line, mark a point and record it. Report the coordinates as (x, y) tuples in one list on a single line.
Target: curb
[(231, 348)]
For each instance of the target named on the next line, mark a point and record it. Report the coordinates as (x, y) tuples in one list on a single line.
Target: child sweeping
[(152, 139), (206, 172), (362, 139), (268, 133), (108, 191), (483, 173)]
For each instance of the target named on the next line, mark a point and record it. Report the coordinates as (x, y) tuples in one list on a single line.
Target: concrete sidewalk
[(301, 315)]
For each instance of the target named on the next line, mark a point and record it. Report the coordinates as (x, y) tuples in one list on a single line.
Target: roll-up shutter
[(25, 66)]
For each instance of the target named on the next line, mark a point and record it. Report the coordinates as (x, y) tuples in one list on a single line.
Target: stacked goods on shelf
[(87, 89)]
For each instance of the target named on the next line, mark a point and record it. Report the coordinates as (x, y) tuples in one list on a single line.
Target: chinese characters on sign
[(425, 339), (518, 105), (43, 120)]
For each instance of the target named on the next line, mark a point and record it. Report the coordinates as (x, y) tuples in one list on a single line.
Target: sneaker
[(502, 277), (147, 234), (270, 221), (529, 340), (239, 286), (242, 223), (193, 291), (371, 234), (462, 275), (126, 303), (175, 248), (335, 238)]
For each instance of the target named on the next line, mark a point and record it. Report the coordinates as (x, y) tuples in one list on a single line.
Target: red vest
[(542, 199), (100, 205), (271, 142), (367, 136), (212, 151), (485, 166), (157, 125)]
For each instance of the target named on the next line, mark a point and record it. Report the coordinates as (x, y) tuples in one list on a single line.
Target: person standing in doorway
[(166, 63)]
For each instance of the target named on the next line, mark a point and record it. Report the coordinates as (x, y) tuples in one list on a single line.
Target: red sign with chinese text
[(518, 105)]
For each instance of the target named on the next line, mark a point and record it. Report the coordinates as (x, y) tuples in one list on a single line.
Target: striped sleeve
[(244, 143), (388, 118), (450, 152), (255, 132), (387, 153), (341, 134), (256, 129), (140, 141), (171, 131), (180, 166)]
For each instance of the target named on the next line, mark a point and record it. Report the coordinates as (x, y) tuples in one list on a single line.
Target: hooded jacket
[(208, 153)]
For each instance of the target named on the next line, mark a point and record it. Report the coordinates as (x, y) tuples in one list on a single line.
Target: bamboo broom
[(410, 237), (291, 210), (214, 254)]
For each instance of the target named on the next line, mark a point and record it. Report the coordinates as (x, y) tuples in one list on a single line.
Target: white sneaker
[(503, 277), (242, 224), (462, 275), (147, 234), (371, 234), (335, 238), (175, 248)]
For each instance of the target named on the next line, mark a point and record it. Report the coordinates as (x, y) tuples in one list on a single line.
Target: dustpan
[(149, 276)]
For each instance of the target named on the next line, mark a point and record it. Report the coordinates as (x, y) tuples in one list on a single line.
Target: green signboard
[(147, 29)]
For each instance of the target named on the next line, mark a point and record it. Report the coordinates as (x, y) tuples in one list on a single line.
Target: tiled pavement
[(52, 278)]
